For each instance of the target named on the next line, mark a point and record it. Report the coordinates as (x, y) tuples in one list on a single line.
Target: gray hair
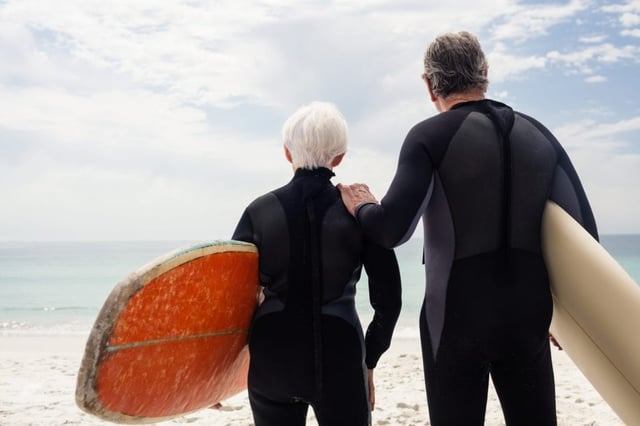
[(455, 63), (315, 134)]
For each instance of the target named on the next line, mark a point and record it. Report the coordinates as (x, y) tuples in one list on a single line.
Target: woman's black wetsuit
[(306, 342), (479, 176)]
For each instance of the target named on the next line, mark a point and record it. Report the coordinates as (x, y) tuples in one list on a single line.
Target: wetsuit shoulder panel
[(533, 160), (262, 224), (567, 189)]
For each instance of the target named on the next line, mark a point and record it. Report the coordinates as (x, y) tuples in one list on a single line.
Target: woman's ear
[(287, 154)]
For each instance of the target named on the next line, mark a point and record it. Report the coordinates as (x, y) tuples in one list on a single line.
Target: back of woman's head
[(455, 63), (315, 134)]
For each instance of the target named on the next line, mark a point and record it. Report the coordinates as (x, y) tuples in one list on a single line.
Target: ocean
[(59, 287)]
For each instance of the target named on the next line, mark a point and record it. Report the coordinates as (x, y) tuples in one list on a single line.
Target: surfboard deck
[(171, 338), (596, 317)]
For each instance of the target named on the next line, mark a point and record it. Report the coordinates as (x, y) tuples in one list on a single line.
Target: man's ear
[(431, 94), (337, 159)]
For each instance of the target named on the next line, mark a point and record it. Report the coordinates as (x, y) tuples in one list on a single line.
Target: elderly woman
[(306, 343)]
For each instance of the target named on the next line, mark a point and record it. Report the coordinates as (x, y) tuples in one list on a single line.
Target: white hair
[(314, 135)]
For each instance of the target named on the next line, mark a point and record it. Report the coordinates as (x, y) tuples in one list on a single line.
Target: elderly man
[(306, 342), (479, 175)]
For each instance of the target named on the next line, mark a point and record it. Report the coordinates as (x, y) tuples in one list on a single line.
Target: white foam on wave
[(42, 328)]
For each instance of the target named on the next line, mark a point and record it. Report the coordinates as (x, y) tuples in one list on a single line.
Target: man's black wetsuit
[(479, 175), (306, 342)]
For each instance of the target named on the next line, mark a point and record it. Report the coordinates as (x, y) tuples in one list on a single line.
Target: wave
[(46, 320), (29, 328), (14, 309)]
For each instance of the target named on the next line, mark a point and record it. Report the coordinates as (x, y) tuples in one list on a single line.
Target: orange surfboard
[(171, 338)]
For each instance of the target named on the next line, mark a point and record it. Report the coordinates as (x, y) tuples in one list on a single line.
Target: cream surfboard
[(171, 337), (596, 317)]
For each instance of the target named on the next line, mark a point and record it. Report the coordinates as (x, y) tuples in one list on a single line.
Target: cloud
[(196, 52), (505, 66), (593, 39), (607, 157), (511, 58), (630, 19), (580, 61), (627, 7), (629, 16), (155, 120), (605, 135), (596, 79), (631, 33), (525, 21)]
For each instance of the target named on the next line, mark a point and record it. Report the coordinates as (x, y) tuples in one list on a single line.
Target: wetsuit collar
[(483, 103), (319, 172), (501, 114)]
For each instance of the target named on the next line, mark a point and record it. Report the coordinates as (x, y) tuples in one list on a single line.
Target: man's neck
[(445, 104)]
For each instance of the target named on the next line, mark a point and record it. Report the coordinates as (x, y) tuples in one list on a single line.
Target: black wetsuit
[(479, 176), (306, 342)]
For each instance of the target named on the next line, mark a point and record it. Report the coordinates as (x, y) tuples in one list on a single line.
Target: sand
[(38, 377)]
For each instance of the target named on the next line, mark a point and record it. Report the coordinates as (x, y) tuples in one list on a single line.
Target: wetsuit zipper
[(316, 287)]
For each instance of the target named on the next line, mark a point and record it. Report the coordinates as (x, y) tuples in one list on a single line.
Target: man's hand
[(355, 194), (555, 342)]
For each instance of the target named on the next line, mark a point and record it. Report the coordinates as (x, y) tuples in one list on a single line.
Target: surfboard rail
[(171, 338), (596, 314)]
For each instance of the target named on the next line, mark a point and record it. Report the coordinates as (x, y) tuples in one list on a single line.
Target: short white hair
[(314, 135)]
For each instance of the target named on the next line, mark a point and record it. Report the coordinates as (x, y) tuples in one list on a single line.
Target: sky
[(161, 120)]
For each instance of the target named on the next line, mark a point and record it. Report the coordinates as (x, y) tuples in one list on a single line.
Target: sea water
[(59, 287)]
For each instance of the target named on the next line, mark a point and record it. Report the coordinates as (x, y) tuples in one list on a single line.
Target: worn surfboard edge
[(86, 396), (607, 379), (596, 311)]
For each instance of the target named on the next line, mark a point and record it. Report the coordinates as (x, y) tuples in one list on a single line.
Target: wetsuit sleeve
[(244, 229), (393, 221), (385, 297)]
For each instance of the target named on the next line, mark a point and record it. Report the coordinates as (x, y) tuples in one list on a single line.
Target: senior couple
[(478, 174)]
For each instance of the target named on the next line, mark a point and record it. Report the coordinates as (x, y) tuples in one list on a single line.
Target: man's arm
[(392, 221)]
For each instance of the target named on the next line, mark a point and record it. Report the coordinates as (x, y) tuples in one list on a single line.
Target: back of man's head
[(455, 63)]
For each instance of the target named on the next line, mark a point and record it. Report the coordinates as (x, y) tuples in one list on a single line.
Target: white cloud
[(527, 21), (113, 119), (602, 134), (628, 6), (503, 95), (154, 119), (631, 33), (629, 16), (596, 79), (630, 19), (593, 39), (198, 53), (504, 66), (609, 166), (580, 60)]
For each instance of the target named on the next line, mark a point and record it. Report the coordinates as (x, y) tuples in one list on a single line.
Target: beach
[(38, 379), (51, 292)]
